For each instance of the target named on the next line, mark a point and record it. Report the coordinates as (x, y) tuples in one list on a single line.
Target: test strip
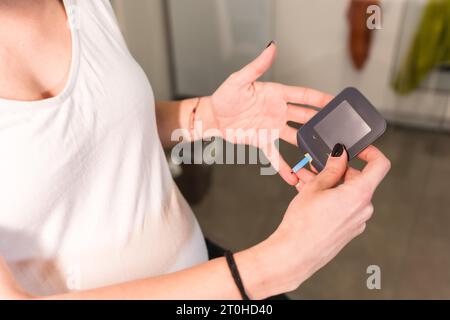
[(307, 159)]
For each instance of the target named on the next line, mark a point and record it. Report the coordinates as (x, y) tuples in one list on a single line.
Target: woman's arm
[(172, 115), (243, 105), (9, 288), (318, 223), (210, 280)]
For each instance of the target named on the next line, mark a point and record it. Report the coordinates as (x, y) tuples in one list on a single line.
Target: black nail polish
[(270, 43), (338, 150)]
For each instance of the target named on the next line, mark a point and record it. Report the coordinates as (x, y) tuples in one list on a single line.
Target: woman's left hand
[(241, 104), (9, 288)]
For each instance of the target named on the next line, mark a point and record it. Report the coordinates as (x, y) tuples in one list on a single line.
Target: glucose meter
[(349, 119)]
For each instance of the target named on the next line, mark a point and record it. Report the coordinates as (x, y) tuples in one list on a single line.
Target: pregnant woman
[(88, 209)]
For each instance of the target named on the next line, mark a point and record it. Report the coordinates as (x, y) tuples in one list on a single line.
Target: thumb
[(255, 69), (334, 170)]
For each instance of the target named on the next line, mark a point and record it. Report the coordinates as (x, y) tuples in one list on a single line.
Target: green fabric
[(430, 48)]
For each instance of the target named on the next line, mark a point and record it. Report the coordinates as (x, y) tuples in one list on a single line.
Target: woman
[(88, 208)]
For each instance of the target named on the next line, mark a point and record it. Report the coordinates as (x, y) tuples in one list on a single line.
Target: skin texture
[(319, 221), (242, 102), (39, 27)]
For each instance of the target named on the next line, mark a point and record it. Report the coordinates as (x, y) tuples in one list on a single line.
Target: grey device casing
[(311, 141)]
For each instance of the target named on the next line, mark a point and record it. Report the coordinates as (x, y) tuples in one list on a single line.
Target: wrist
[(263, 273), (255, 273), (270, 268), (206, 118)]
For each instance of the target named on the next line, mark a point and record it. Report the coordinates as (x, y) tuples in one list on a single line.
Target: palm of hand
[(259, 111), (257, 106)]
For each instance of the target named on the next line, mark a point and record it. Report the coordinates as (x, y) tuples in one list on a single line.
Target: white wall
[(213, 38), (313, 41), (313, 51), (312, 37)]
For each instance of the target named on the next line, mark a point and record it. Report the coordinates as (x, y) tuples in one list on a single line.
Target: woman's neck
[(21, 15), (25, 9), (35, 47)]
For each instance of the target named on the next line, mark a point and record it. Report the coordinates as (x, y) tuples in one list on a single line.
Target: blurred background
[(188, 47)]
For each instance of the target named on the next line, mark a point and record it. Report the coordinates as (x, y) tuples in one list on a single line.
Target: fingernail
[(270, 43), (338, 150)]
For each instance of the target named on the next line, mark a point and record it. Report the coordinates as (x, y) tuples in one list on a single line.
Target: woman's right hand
[(322, 218), (319, 222)]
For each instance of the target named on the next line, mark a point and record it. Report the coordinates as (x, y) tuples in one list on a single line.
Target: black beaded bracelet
[(235, 273)]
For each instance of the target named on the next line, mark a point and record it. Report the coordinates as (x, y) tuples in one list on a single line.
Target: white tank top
[(86, 196)]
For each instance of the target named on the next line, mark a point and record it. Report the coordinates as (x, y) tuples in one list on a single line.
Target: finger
[(366, 213), (365, 154), (300, 114), (306, 96), (255, 69), (305, 175), (359, 230), (351, 173), (376, 168), (289, 135), (299, 186), (281, 166), (334, 170), (311, 167), (286, 173)]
